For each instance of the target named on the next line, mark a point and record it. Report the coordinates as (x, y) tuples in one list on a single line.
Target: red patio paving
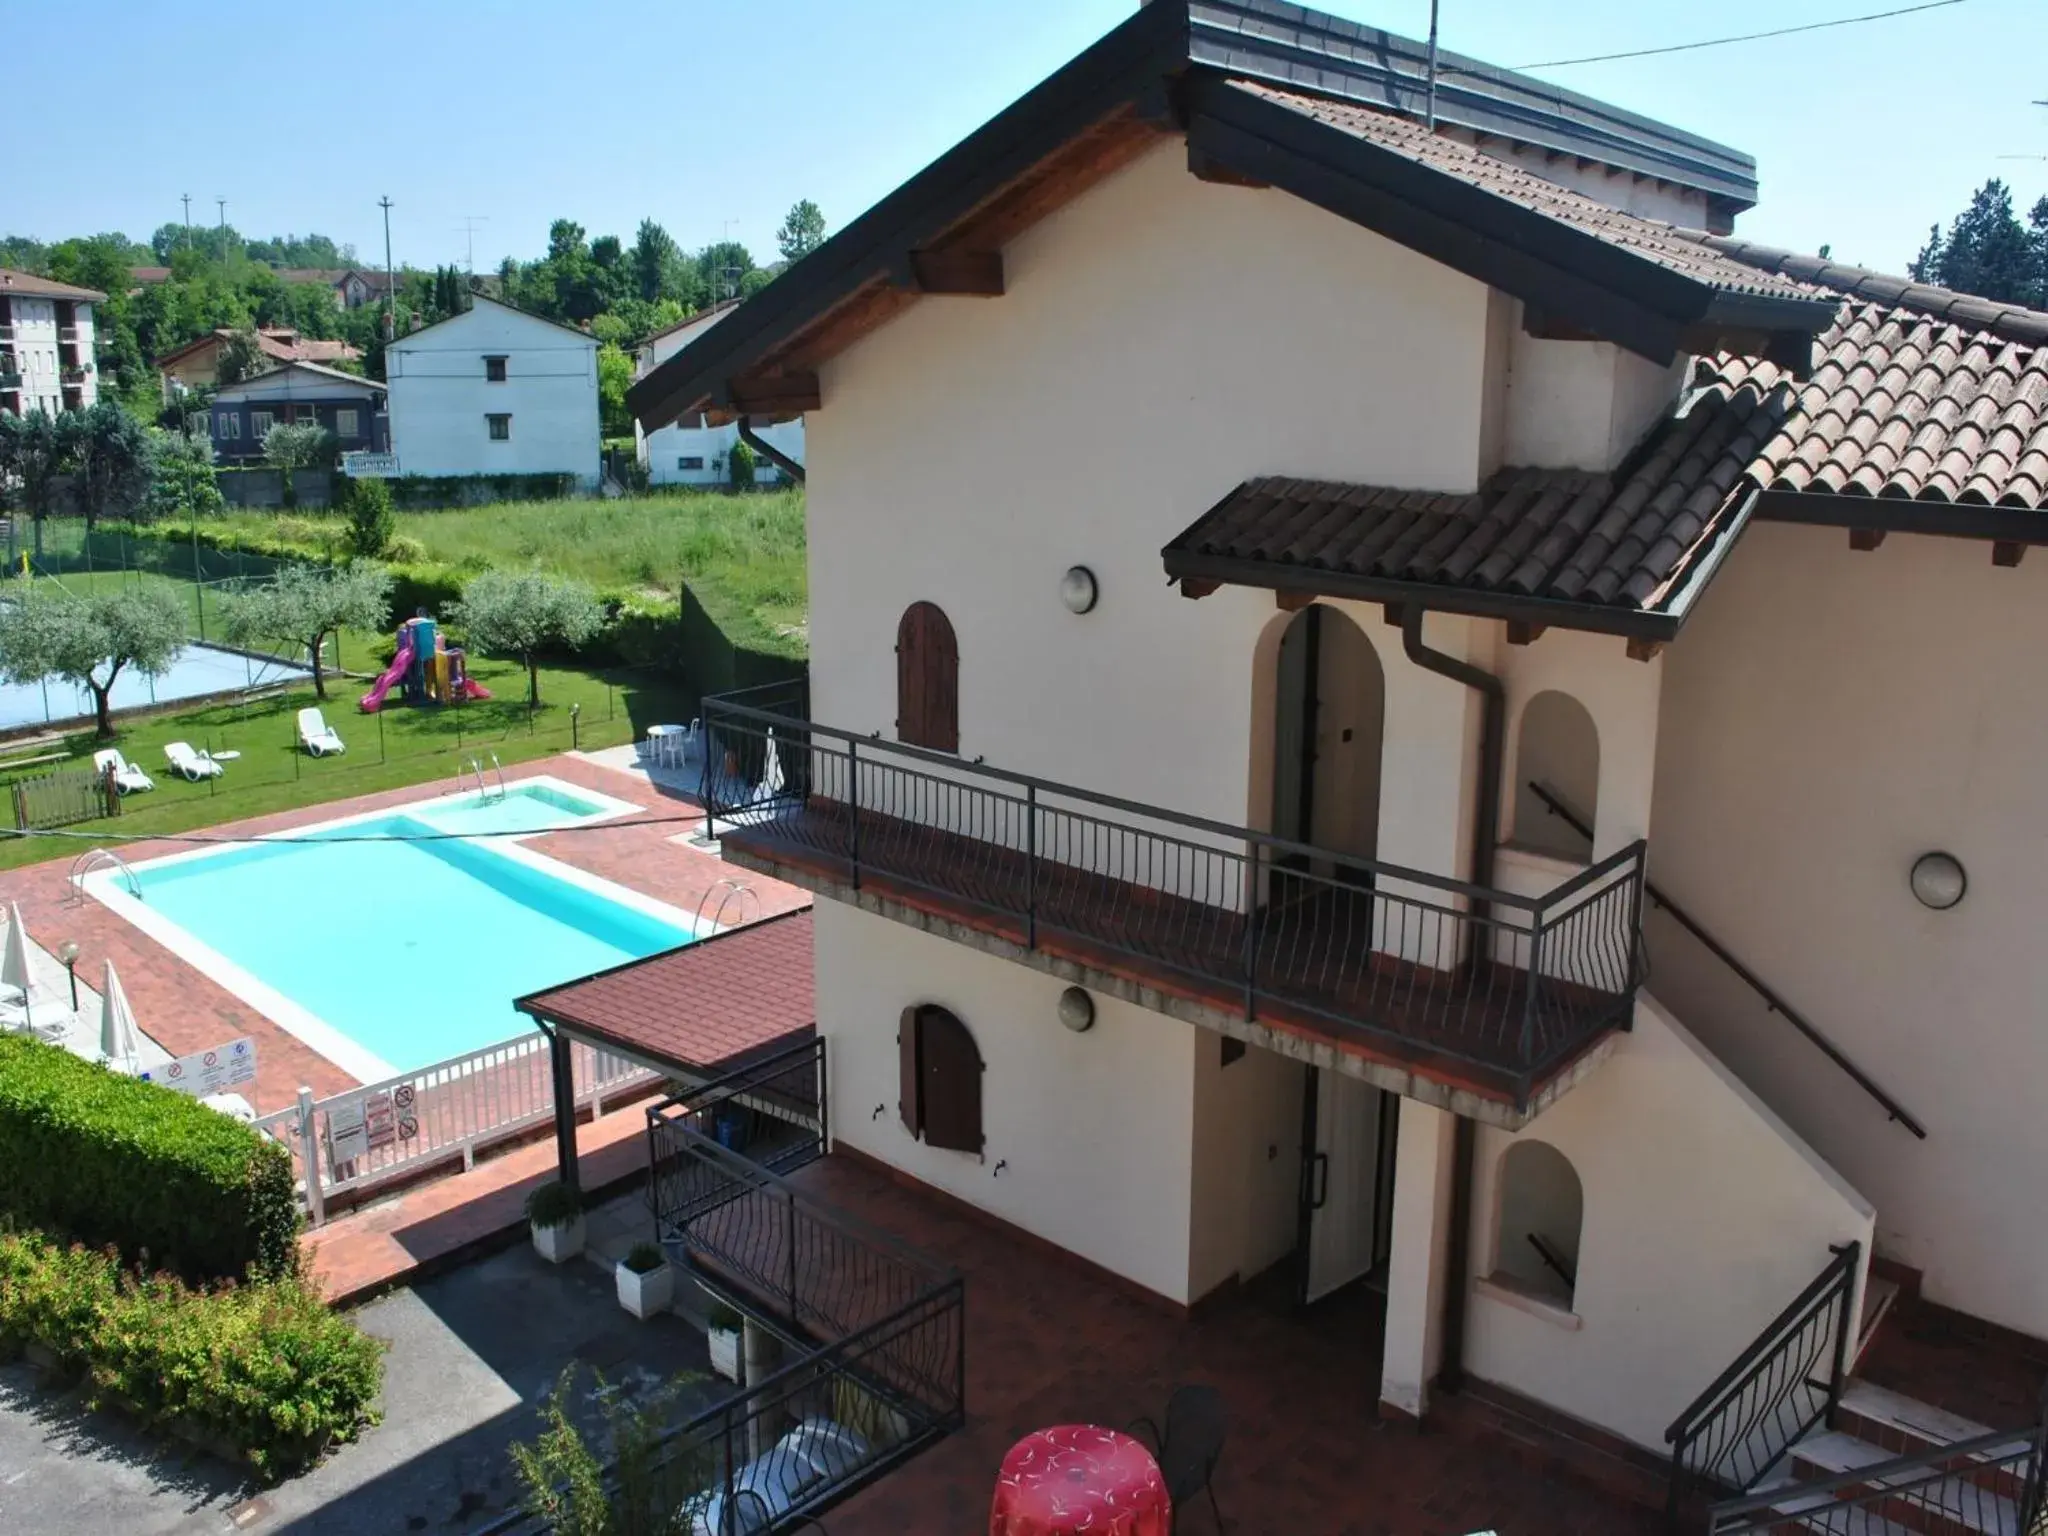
[(1308, 1454), (184, 1011)]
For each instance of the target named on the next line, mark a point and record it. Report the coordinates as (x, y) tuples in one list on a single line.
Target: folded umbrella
[(117, 1024)]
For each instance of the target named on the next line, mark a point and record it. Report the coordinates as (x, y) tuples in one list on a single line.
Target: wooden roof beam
[(1865, 538), (761, 394), (977, 274)]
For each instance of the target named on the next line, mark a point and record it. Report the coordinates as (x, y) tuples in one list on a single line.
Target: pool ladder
[(483, 789), (728, 893), (99, 858)]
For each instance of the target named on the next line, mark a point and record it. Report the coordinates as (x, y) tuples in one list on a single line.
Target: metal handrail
[(1766, 1358), (1773, 1003), (94, 858), (499, 769), (1269, 842)]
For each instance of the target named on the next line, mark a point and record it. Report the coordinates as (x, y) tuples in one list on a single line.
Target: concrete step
[(1905, 1426), (1953, 1506)]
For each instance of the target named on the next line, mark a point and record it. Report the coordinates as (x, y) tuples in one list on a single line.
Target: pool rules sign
[(208, 1072)]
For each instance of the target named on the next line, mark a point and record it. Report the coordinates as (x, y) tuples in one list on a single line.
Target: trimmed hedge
[(261, 1372), (113, 1160)]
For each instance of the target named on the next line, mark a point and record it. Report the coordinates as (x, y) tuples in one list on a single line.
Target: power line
[(1747, 37)]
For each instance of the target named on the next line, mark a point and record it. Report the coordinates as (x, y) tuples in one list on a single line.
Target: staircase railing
[(1991, 1483), (1773, 1003), (1777, 1389)]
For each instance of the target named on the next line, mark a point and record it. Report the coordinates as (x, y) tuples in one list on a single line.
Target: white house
[(494, 391), (46, 345), (1381, 550), (691, 451)]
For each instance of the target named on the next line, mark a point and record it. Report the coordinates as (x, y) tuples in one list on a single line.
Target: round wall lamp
[(1077, 1010), (1077, 589), (1938, 880)]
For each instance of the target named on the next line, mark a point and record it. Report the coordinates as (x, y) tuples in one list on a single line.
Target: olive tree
[(48, 632), (114, 458), (304, 605), (294, 446), (520, 614)]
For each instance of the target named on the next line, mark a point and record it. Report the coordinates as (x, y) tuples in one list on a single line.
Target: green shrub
[(553, 1204), (107, 1159), (644, 1258), (371, 522), (405, 547), (264, 1370)]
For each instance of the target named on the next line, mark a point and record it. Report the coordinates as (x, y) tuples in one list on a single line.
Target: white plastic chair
[(189, 764), (127, 777), (316, 735)]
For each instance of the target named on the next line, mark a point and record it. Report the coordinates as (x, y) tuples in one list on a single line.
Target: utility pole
[(186, 199), (222, 204), (468, 226), (390, 288), (1429, 105)]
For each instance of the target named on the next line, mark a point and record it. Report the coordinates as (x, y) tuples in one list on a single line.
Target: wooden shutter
[(909, 1085), (951, 1070), (927, 679)]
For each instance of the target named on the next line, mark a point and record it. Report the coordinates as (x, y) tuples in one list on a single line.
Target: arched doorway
[(1329, 716)]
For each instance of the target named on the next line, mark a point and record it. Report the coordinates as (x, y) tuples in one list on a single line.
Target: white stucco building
[(46, 345), (494, 391), (1293, 577), (691, 451)]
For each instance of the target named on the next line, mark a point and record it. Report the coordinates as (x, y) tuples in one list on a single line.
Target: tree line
[(1987, 250)]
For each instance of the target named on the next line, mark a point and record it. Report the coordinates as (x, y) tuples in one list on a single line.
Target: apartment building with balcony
[(1398, 703), (46, 344)]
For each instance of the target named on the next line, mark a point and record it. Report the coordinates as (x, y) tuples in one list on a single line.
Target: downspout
[(769, 451), (1485, 838)]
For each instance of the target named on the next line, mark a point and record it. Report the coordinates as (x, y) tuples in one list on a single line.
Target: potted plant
[(556, 1213), (722, 1334), (646, 1284)]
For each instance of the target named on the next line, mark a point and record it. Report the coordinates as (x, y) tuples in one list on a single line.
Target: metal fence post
[(1251, 934), (309, 1158), (1528, 1044), (1031, 866), (853, 805)]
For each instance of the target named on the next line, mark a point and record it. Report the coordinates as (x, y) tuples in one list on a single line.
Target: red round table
[(1080, 1477)]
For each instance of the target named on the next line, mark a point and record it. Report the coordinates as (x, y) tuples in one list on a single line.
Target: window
[(1542, 1206), (1559, 749), (927, 679), (228, 426), (494, 370), (501, 427), (346, 423), (690, 461), (940, 1079), (260, 422), (306, 415)]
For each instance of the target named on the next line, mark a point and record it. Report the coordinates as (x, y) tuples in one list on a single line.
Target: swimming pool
[(392, 941), (195, 672)]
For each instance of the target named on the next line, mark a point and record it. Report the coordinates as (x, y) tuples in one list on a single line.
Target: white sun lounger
[(316, 735), (127, 777), (190, 764)]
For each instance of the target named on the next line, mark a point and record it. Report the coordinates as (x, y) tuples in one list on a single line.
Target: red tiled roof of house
[(1917, 393), (704, 1006), (1650, 239), (28, 285)]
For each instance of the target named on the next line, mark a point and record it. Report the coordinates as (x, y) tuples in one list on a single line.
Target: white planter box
[(559, 1244), (725, 1352), (643, 1295)]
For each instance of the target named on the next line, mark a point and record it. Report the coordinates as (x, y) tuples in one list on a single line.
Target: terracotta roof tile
[(28, 285), (1665, 244), (704, 1006)]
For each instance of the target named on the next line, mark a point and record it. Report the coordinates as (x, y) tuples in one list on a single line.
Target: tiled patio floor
[(1307, 1455), (184, 1011)]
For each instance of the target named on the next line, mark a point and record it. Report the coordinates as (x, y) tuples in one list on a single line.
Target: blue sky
[(714, 118)]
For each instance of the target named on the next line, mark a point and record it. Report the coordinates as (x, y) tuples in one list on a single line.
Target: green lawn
[(743, 556), (398, 746)]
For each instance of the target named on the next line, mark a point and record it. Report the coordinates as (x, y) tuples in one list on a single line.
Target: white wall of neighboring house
[(1704, 1215), (441, 399), (36, 355), (1829, 716), (697, 455)]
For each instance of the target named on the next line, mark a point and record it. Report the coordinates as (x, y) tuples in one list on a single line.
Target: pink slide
[(470, 688), (374, 699)]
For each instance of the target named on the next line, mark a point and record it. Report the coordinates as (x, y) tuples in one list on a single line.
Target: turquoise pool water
[(413, 950)]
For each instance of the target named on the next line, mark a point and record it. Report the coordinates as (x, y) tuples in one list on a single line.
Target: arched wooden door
[(927, 679)]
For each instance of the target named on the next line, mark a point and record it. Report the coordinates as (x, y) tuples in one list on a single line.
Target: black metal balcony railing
[(1425, 966)]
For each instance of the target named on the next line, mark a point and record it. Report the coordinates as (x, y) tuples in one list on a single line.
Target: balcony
[(72, 373), (72, 335), (1449, 991)]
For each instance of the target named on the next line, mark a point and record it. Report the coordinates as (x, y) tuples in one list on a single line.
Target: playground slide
[(470, 688), (374, 699)]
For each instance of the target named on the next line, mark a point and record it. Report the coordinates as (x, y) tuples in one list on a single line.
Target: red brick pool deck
[(184, 1011)]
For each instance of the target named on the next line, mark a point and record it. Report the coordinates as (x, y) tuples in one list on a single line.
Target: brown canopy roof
[(701, 1008)]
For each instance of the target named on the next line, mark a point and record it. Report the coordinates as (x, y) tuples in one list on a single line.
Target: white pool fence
[(352, 1142)]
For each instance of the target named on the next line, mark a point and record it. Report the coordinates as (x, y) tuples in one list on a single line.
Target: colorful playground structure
[(426, 669)]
